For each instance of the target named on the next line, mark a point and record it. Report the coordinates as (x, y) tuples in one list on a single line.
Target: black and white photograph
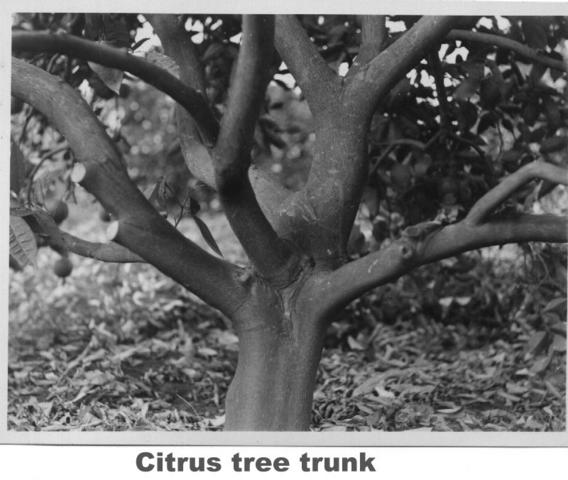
[(318, 222)]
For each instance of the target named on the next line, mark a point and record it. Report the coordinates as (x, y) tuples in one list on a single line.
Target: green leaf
[(490, 92), (531, 112), (554, 304), (473, 76), (466, 89), (206, 234), (535, 32), (139, 43), (111, 77), (213, 51), (23, 247), (541, 364), (17, 167), (474, 70), (157, 194), (194, 206), (46, 226), (110, 30), (467, 115), (163, 61), (486, 121), (553, 144), (552, 112), (537, 71), (20, 211), (538, 342)]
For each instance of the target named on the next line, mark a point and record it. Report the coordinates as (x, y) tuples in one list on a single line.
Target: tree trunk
[(280, 344)]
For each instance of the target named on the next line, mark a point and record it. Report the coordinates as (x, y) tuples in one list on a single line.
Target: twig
[(510, 184), (438, 74), (504, 42), (105, 252), (466, 141), (43, 158)]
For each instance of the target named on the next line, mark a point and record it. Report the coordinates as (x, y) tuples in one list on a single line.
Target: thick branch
[(178, 46), (232, 155), (503, 42), (190, 99), (340, 165), (246, 95), (386, 265), (141, 228), (375, 79), (438, 74), (496, 196), (272, 196), (105, 252), (429, 242), (319, 83), (373, 37)]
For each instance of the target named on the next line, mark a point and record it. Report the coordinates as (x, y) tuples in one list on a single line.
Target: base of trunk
[(275, 377)]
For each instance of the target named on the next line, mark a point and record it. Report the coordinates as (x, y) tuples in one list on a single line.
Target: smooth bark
[(232, 154), (524, 51), (280, 343), (386, 265), (192, 100), (319, 83), (296, 242), (371, 82), (142, 229), (105, 252)]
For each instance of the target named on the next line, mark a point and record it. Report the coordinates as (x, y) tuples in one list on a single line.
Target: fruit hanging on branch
[(59, 212), (63, 267)]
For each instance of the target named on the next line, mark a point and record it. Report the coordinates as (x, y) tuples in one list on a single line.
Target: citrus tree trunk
[(280, 343), (299, 274)]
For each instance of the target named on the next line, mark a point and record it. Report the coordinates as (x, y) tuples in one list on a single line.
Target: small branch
[(508, 44), (438, 74), (17, 167), (246, 95), (178, 46), (232, 155), (467, 141), (403, 256), (319, 83), (373, 37), (496, 196), (374, 80), (105, 252), (373, 32), (190, 99)]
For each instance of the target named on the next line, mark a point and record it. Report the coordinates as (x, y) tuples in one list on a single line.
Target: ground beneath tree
[(449, 348)]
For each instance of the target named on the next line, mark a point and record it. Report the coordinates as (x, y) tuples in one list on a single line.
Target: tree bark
[(280, 342)]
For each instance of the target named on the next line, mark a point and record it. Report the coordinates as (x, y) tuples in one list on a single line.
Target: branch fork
[(429, 242)]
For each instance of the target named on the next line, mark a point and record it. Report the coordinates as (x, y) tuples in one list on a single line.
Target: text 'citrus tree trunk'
[(300, 275)]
